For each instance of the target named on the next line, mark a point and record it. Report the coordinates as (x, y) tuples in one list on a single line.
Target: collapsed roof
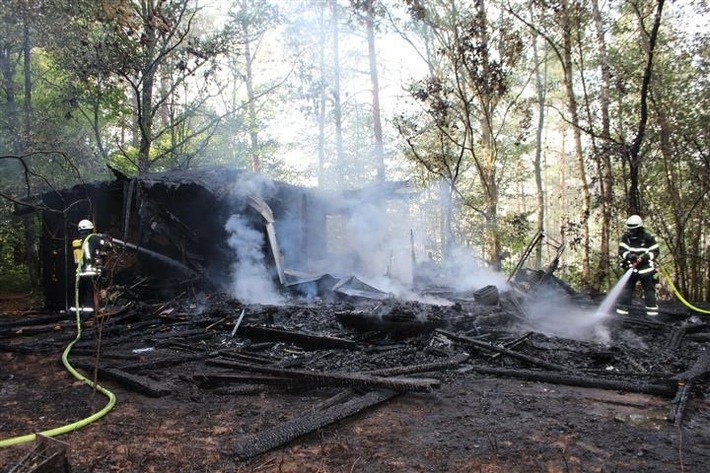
[(193, 227)]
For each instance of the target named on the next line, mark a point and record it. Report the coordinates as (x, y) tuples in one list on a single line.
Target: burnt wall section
[(181, 215), (62, 212)]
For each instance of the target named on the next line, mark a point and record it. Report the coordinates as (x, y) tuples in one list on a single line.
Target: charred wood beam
[(512, 344), (247, 389), (300, 338), (513, 354), (338, 379), (700, 337), (29, 331), (423, 367), (282, 434), (207, 380), (27, 348), (676, 337), (581, 381), (27, 321), (679, 403), (247, 357), (140, 384), (686, 381), (647, 322), (165, 362), (338, 398)]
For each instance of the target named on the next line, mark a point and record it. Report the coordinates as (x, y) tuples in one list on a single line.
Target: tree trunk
[(576, 133), (251, 105), (633, 155), (337, 109), (540, 83), (379, 152), (322, 101), (7, 69), (606, 181)]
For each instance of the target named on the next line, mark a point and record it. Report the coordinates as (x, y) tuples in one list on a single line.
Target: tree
[(466, 99), (368, 8), (141, 44)]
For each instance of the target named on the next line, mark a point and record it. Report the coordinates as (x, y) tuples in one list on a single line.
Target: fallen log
[(513, 354), (581, 381), (288, 431), (355, 380)]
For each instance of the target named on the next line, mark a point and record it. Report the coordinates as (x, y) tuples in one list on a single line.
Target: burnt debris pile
[(352, 353)]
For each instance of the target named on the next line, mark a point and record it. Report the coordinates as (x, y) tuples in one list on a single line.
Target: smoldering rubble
[(278, 318)]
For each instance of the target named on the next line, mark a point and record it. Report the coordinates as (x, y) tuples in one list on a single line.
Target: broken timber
[(581, 381), (140, 384), (300, 338), (685, 385), (338, 379), (505, 351), (279, 435)]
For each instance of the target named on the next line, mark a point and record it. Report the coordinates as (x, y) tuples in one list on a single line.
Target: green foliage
[(13, 274)]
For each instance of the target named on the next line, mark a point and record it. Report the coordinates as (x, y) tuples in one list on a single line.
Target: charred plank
[(339, 379), (686, 381), (282, 434), (299, 338), (139, 384), (643, 387), (423, 367), (513, 354)]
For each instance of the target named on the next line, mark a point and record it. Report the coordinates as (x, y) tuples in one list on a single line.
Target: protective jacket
[(87, 252), (640, 248)]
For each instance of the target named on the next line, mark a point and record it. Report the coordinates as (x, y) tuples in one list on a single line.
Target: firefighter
[(88, 249), (638, 251)]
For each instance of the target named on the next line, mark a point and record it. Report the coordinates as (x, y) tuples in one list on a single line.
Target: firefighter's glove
[(632, 257)]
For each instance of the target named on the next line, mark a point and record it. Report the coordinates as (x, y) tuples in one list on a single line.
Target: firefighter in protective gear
[(638, 251), (87, 249)]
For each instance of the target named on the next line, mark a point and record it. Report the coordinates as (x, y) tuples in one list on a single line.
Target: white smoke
[(252, 280), (466, 273), (552, 314)]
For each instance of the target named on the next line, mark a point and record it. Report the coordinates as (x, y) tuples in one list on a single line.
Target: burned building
[(187, 229)]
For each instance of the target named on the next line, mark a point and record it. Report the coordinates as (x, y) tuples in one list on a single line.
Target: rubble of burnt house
[(174, 228), (325, 360)]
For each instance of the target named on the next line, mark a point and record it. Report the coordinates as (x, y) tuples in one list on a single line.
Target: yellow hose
[(678, 294), (65, 360)]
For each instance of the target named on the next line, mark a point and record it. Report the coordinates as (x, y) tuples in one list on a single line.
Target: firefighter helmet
[(85, 225), (634, 222)]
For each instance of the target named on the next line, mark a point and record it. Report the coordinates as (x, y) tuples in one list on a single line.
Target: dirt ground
[(470, 422)]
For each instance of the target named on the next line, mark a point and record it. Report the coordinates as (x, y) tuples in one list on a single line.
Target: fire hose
[(678, 294), (65, 361), (65, 356)]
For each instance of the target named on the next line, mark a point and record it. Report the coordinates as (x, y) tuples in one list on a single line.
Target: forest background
[(511, 117)]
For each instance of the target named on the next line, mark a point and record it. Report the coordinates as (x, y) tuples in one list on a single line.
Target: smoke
[(464, 272), (552, 314), (252, 280), (370, 234)]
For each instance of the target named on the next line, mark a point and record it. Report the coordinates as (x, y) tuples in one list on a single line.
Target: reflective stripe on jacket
[(640, 243)]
